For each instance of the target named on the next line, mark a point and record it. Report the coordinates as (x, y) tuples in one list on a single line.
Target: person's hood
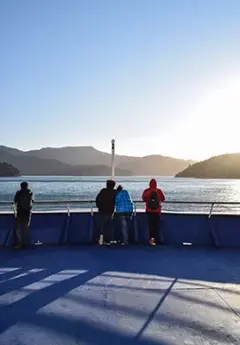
[(110, 184), (123, 192), (153, 184)]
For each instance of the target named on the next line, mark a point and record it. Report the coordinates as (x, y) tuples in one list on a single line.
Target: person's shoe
[(101, 240), (26, 246), (152, 242), (18, 246)]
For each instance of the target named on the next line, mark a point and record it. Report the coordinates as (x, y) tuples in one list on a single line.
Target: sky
[(159, 76)]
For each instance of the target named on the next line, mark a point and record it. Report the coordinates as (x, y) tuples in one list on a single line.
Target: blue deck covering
[(93, 295)]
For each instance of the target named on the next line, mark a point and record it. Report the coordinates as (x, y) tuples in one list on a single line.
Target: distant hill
[(156, 165), (31, 165), (85, 160), (223, 167), (78, 155), (7, 170)]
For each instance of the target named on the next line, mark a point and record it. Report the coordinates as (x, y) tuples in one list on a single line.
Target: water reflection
[(85, 188)]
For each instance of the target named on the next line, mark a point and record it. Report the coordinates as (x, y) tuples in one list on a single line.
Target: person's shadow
[(58, 289)]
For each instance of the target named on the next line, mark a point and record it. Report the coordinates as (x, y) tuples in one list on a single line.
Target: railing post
[(135, 208), (211, 210), (135, 225), (91, 209), (213, 232), (91, 225), (14, 210), (64, 237)]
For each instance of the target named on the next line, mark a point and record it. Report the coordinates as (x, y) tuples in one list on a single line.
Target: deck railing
[(90, 204)]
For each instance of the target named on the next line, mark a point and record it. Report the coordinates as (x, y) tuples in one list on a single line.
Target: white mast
[(113, 159)]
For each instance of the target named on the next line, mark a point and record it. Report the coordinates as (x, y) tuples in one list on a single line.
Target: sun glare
[(210, 124), (216, 115)]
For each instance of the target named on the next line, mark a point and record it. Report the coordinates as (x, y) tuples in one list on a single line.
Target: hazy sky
[(159, 76)]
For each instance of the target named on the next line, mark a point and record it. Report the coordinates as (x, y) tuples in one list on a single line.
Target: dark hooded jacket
[(24, 199), (105, 200), (147, 193)]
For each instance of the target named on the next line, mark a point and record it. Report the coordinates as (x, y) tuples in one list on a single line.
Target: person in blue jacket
[(124, 210)]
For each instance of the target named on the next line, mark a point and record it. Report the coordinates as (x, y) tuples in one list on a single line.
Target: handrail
[(80, 201), (53, 202), (68, 203)]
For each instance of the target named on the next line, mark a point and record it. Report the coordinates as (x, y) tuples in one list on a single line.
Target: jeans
[(124, 220)]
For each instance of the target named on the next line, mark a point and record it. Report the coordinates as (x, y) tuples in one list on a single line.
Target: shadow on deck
[(119, 295)]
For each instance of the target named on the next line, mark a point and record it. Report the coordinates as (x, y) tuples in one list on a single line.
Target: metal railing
[(92, 206), (82, 201)]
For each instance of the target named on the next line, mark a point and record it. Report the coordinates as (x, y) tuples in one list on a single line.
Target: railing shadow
[(101, 264)]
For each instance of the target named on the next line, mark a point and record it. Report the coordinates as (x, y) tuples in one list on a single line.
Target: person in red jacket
[(153, 197)]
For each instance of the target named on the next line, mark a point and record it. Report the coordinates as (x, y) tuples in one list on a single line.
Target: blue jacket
[(123, 202)]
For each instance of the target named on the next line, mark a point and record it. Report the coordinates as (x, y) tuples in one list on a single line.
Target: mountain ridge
[(75, 159), (8, 170), (31, 165), (226, 166)]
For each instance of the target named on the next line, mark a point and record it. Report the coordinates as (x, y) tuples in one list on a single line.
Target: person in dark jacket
[(153, 198), (23, 201), (105, 202), (124, 211)]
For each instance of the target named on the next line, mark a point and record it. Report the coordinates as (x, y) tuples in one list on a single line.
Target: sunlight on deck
[(77, 295)]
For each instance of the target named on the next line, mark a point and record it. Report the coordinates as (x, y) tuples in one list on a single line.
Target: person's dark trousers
[(154, 226), (22, 228), (107, 229)]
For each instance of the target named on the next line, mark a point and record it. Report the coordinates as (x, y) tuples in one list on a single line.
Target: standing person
[(23, 201), (124, 210), (105, 202), (153, 198)]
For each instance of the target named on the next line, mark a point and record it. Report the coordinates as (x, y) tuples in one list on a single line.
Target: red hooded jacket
[(147, 193)]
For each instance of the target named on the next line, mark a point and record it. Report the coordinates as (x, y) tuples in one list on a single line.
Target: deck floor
[(119, 295)]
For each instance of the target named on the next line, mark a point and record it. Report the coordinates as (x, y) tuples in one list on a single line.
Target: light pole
[(113, 159)]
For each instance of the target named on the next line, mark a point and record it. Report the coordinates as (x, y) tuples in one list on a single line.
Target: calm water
[(85, 188)]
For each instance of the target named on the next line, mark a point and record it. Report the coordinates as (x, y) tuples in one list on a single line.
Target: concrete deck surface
[(119, 295)]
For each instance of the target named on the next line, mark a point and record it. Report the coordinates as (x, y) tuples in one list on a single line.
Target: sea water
[(86, 188)]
